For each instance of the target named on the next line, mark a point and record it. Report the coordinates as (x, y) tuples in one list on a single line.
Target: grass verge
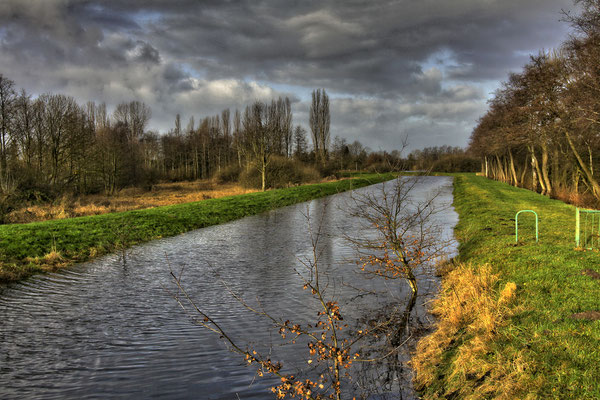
[(515, 320), (27, 249)]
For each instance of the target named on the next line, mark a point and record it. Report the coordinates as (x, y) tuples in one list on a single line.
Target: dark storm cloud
[(146, 53), (401, 66), (376, 47)]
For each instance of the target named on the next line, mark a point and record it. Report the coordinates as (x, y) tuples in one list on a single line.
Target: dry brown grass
[(52, 261), (583, 200), (127, 199), (469, 312)]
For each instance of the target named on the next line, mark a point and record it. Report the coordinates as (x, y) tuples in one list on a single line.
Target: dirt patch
[(591, 273), (587, 315)]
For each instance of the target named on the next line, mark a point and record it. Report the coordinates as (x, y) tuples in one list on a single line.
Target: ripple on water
[(109, 329)]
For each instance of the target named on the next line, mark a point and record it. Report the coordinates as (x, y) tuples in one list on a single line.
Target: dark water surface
[(109, 329)]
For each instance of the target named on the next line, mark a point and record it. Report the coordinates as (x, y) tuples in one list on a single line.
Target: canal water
[(111, 329)]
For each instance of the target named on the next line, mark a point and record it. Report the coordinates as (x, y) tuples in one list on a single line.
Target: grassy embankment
[(27, 249), (515, 321)]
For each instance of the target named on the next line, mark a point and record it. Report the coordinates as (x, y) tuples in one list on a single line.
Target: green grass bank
[(542, 344), (28, 249)]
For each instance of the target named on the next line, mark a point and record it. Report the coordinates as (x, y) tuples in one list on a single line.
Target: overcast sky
[(422, 68)]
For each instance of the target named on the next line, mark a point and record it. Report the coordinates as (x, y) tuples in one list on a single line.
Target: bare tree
[(139, 115), (287, 126), (178, 125), (24, 128), (7, 102), (330, 350), (300, 142), (319, 123), (279, 121), (39, 134), (190, 126), (226, 128), (407, 238), (336, 346), (101, 119), (258, 134), (340, 152), (134, 117), (238, 136), (59, 112)]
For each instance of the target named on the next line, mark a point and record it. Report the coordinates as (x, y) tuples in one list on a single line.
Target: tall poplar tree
[(319, 123)]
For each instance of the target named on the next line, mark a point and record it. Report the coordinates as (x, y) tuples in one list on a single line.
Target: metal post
[(517, 228), (585, 224), (517, 225), (592, 230), (577, 223)]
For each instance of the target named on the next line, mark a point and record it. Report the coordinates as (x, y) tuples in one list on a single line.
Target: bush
[(381, 167), (229, 174), (330, 169), (32, 188), (281, 172)]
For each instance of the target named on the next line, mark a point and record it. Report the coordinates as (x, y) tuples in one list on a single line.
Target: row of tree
[(50, 145), (542, 127), (53, 144)]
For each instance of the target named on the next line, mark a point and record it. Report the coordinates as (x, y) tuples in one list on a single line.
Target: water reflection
[(108, 329)]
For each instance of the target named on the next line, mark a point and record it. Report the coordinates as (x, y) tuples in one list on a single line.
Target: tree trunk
[(556, 172), (537, 174), (486, 167), (534, 177), (523, 174), (513, 172), (545, 177), (501, 174), (584, 169), (263, 174)]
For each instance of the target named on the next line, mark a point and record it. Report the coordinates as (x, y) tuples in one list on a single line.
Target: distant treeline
[(442, 159), (542, 127), (51, 145)]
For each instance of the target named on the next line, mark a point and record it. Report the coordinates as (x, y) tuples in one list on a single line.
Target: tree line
[(541, 129), (52, 144)]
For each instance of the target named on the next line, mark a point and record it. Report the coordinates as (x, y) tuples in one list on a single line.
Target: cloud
[(383, 124), (392, 67), (145, 53), (324, 34)]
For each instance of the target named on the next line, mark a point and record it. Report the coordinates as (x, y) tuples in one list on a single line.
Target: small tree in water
[(402, 245), (406, 240), (330, 352)]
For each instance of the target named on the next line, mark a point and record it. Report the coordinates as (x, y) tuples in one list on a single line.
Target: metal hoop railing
[(517, 225)]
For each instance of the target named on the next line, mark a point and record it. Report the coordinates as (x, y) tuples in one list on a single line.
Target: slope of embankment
[(514, 320), (27, 249)]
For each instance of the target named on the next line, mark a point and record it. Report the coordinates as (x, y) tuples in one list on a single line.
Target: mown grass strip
[(548, 352), (42, 246)]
